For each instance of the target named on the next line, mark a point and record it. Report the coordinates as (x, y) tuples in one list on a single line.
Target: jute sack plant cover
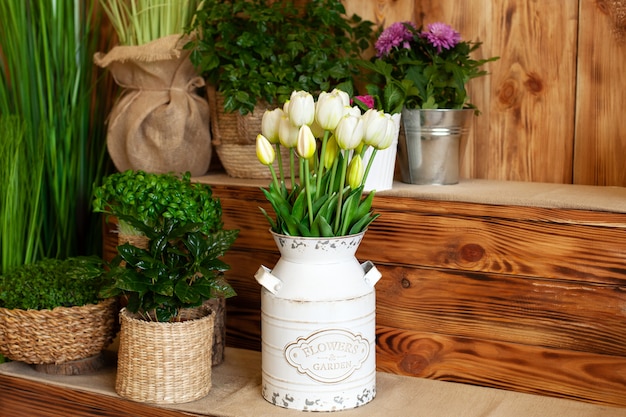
[(159, 123)]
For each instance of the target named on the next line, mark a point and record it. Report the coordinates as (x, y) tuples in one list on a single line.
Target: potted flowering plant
[(317, 286), (423, 69), (329, 139), (423, 74)]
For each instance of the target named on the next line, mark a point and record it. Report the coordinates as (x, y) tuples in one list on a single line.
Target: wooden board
[(600, 142)]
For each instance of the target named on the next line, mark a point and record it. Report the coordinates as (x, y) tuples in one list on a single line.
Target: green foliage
[(337, 210), (181, 269), (143, 200), (260, 49), (147, 20), (51, 282), (21, 168), (47, 80)]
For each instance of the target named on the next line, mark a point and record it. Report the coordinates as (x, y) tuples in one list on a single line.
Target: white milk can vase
[(318, 308)]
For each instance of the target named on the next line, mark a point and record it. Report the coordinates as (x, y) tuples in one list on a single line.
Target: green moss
[(51, 283)]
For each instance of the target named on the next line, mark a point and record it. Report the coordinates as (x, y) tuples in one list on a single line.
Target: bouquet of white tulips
[(326, 140)]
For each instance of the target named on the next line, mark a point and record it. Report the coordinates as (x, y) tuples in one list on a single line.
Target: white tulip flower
[(270, 124), (349, 132), (287, 132), (329, 109), (301, 108)]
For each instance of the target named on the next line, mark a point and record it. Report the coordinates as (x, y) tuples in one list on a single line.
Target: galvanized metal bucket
[(318, 325), (429, 148)]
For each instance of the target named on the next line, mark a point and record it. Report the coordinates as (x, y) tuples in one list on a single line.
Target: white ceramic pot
[(318, 325)]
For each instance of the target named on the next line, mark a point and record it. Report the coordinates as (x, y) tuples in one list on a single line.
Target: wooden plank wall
[(518, 298), (552, 106)]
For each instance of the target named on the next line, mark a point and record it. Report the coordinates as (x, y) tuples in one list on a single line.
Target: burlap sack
[(159, 123)]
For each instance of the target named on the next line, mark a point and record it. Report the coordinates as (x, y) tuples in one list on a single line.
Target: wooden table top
[(236, 392)]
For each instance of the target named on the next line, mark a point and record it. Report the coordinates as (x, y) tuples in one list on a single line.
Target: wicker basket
[(59, 335), (234, 138), (165, 363)]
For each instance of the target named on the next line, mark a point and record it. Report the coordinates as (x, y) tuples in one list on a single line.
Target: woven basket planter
[(234, 138), (59, 335), (217, 305), (165, 363)]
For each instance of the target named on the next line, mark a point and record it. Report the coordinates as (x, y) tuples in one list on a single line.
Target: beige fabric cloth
[(236, 392), (508, 193)]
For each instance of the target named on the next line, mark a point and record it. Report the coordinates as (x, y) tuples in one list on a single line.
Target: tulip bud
[(355, 172), (306, 142), (375, 127), (287, 133), (345, 97), (391, 133), (264, 150), (301, 108), (353, 111), (270, 124), (349, 132), (330, 153), (329, 109)]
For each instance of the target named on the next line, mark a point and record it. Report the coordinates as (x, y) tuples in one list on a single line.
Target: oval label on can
[(329, 355)]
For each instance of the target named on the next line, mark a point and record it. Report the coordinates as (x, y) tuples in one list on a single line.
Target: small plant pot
[(165, 363), (57, 336)]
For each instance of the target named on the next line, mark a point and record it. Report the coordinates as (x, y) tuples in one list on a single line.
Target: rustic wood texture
[(600, 143), (552, 104), (24, 398), (522, 298)]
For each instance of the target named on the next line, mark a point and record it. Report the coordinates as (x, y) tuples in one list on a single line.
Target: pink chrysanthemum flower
[(441, 36), (395, 36)]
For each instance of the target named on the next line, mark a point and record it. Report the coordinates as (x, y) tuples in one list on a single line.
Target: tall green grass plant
[(141, 21), (47, 80), (20, 191)]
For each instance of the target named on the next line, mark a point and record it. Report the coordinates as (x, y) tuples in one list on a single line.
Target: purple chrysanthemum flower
[(395, 36), (441, 36)]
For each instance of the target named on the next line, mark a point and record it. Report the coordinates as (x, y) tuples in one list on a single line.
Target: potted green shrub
[(51, 311), (256, 53), (142, 203), (167, 282), (165, 351)]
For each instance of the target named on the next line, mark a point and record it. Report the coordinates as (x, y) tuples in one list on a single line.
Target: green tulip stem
[(369, 165), (333, 173), (274, 178), (292, 164), (320, 165), (344, 169), (307, 175), (279, 159)]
